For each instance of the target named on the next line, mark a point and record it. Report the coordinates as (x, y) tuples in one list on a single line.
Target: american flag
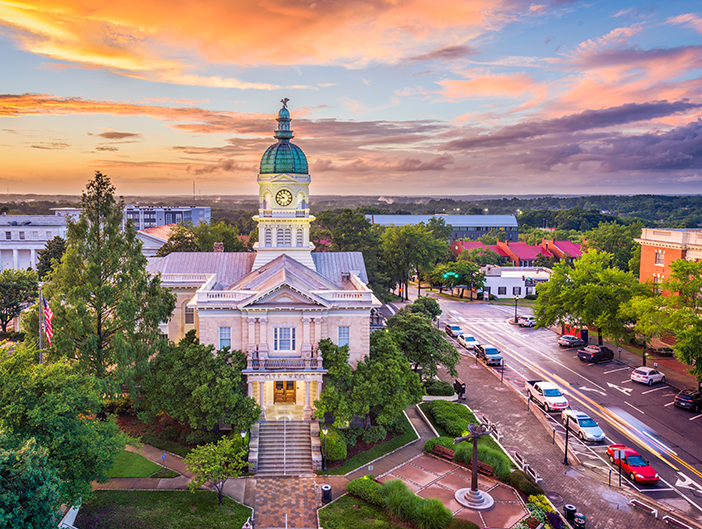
[(48, 315)]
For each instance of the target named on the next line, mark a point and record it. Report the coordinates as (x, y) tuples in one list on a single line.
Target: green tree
[(336, 397), (18, 288), (543, 261), (50, 256), (424, 305), (186, 237), (107, 307), (56, 404), (385, 384), (198, 386), (465, 274), (29, 486), (617, 240), (491, 237), (589, 294), (439, 229), (215, 463), (423, 345), (480, 256)]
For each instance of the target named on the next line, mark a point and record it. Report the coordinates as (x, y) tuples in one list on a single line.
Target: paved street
[(633, 414)]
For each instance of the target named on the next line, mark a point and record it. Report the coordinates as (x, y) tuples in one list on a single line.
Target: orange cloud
[(690, 20), (507, 85)]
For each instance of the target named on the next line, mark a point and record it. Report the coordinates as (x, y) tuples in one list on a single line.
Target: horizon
[(462, 98)]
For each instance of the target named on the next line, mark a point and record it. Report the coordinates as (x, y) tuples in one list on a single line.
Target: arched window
[(299, 241), (269, 238)]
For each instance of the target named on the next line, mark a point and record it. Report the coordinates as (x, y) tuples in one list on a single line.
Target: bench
[(531, 472), (519, 458), (485, 420), (496, 433), (670, 520), (484, 468), (444, 452), (644, 507)]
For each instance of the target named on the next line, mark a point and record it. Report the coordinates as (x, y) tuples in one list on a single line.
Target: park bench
[(519, 458), (670, 520), (644, 507), (531, 472), (444, 452), (484, 468)]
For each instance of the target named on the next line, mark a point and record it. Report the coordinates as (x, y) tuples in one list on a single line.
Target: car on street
[(582, 425), (526, 321), (546, 394), (595, 354), (568, 340), (453, 329), (489, 354), (467, 341), (647, 375), (633, 465), (690, 399)]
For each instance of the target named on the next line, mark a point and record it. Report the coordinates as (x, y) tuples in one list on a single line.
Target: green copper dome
[(284, 157)]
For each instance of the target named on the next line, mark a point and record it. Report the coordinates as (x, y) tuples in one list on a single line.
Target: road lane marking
[(669, 404), (625, 381), (615, 370), (652, 390), (696, 417), (626, 391), (631, 405)]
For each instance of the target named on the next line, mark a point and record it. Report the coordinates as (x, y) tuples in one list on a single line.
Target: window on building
[(8, 235), (486, 290), (516, 291), (48, 235), (283, 238), (21, 235), (299, 237), (343, 336), (660, 258), (501, 291), (35, 235), (284, 339), (529, 291), (189, 316), (225, 337), (169, 218), (269, 238), (657, 284)]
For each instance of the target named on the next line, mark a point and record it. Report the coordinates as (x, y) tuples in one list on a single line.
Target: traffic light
[(451, 274)]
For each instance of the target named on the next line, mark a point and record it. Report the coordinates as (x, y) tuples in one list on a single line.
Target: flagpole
[(41, 327)]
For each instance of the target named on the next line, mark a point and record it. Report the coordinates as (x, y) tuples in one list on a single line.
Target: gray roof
[(229, 266), (34, 220), (490, 221), (332, 264)]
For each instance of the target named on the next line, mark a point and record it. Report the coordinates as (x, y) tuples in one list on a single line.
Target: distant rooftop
[(490, 221)]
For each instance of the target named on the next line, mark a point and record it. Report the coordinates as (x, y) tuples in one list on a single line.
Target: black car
[(595, 353), (689, 399)]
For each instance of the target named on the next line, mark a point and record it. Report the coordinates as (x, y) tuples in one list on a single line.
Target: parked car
[(489, 354), (453, 329), (568, 340), (595, 354), (546, 395), (690, 399), (647, 375), (582, 425), (526, 321), (635, 466), (467, 341)]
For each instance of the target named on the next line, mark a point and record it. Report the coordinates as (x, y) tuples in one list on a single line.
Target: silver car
[(583, 426)]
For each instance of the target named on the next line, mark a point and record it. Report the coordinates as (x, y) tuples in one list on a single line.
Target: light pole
[(644, 352), (515, 307), (565, 457), (243, 449), (325, 430)]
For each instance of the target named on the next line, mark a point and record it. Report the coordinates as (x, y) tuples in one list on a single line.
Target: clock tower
[(283, 194)]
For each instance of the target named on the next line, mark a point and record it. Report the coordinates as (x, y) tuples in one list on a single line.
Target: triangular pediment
[(284, 295), (284, 178)]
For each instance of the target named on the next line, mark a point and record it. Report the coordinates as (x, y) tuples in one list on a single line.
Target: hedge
[(454, 418), (520, 480), (440, 388), (367, 489), (335, 444)]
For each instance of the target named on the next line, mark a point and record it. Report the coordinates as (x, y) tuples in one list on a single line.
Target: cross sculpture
[(474, 498)]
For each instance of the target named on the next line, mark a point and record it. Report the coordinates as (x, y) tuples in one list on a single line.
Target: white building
[(22, 237), (510, 281)]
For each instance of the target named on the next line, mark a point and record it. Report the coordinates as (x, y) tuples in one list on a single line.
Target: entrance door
[(284, 392)]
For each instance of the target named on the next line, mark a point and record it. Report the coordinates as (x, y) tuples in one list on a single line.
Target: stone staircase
[(284, 448)]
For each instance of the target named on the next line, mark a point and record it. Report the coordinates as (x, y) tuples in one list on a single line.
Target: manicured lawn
[(132, 509), (375, 452), (130, 465), (342, 514)]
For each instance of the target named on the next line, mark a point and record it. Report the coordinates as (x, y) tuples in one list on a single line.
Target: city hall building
[(277, 302)]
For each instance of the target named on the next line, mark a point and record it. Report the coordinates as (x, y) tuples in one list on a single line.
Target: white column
[(33, 258), (263, 337), (15, 258), (261, 402), (251, 345), (319, 390), (274, 242), (306, 339), (250, 392), (307, 408)]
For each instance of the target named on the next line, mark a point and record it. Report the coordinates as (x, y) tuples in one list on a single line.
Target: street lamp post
[(325, 430), (565, 457), (515, 307), (644, 352)]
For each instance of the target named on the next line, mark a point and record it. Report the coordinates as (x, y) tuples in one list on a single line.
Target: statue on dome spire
[(285, 102)]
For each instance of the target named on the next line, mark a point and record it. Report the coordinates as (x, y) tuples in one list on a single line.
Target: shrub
[(531, 296), (400, 502), (524, 483), (123, 406), (555, 521), (431, 514), (170, 433), (458, 523), (351, 434), (335, 444), (541, 502), (198, 437), (442, 441), (454, 418), (367, 489), (440, 388), (399, 425), (501, 464), (374, 434)]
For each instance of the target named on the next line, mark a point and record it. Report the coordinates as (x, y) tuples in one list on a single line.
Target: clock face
[(283, 197)]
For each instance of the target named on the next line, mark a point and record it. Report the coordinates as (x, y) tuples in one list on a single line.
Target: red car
[(633, 464)]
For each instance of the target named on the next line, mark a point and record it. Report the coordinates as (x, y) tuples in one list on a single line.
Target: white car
[(647, 375), (467, 341), (526, 321), (582, 425)]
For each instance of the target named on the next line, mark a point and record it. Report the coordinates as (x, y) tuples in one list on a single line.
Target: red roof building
[(560, 248)]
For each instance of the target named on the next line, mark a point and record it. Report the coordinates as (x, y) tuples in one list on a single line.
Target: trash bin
[(579, 521), (326, 493), (570, 511)]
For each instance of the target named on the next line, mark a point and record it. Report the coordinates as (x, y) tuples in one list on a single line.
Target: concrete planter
[(429, 398)]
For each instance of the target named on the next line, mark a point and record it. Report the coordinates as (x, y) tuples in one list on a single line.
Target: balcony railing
[(285, 363)]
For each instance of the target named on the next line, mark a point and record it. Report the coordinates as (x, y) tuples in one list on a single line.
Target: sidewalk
[(675, 371)]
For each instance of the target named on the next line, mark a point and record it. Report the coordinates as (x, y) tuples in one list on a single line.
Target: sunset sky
[(396, 97)]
